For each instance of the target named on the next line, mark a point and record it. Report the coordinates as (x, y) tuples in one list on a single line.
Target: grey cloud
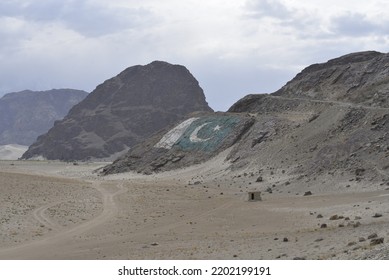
[(299, 23), (83, 16), (225, 82), (356, 25), (267, 8)]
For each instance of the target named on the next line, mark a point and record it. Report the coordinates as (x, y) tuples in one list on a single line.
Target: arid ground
[(56, 210)]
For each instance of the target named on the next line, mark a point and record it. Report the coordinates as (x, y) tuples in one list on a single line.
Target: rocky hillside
[(192, 141), (332, 118), (122, 112), (359, 78), (26, 115), (330, 121)]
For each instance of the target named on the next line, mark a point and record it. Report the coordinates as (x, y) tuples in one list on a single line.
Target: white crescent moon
[(194, 138)]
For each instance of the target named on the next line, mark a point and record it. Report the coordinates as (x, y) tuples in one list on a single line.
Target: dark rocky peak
[(123, 111)]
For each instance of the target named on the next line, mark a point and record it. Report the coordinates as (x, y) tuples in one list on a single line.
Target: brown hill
[(121, 112)]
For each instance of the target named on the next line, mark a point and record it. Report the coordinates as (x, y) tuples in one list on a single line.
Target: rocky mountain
[(122, 112), (330, 121), (332, 117), (27, 114)]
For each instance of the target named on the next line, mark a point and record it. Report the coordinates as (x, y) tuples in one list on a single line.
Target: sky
[(233, 48)]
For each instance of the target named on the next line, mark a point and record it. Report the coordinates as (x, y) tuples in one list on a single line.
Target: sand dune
[(12, 151)]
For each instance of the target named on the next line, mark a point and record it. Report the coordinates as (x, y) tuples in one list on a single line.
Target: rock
[(352, 243), (376, 241), (319, 216), (323, 226), (360, 171), (377, 215), (307, 193), (372, 236), (362, 239), (285, 239), (260, 138), (334, 217), (357, 224), (259, 179), (312, 118)]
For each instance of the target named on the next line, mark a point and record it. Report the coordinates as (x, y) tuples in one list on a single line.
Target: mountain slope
[(332, 118), (121, 112), (27, 114)]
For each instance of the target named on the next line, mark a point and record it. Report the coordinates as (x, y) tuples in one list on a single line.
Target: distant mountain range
[(27, 114), (121, 112)]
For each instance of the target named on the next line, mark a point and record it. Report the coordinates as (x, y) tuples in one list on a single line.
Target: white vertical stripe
[(168, 140)]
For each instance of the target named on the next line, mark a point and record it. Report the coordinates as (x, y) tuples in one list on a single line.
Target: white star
[(217, 128)]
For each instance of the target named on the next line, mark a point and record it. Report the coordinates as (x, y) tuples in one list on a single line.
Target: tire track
[(62, 243), (40, 216)]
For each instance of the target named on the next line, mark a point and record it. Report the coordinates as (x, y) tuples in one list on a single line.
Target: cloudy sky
[(232, 47)]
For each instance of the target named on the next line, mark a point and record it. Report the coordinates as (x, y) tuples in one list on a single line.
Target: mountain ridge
[(27, 114)]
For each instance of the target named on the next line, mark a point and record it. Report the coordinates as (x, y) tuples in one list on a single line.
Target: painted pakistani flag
[(206, 133)]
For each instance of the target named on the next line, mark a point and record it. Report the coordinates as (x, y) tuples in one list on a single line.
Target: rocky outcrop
[(27, 114), (122, 112)]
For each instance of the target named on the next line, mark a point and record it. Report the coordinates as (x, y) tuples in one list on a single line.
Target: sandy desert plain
[(57, 210)]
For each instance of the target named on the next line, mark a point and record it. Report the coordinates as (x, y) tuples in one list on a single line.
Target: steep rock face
[(121, 112), (26, 115)]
